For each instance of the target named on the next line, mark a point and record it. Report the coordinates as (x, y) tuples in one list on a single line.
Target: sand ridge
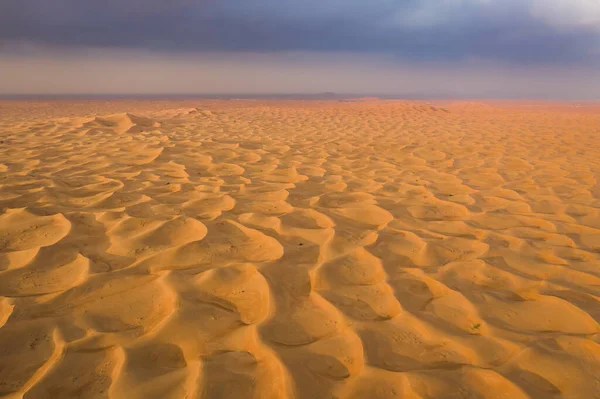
[(298, 249)]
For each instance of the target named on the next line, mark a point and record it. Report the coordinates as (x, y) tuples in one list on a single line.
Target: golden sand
[(374, 249)]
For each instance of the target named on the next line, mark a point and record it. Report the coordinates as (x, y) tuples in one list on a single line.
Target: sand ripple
[(299, 250)]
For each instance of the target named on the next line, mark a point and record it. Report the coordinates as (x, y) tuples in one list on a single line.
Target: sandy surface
[(239, 249)]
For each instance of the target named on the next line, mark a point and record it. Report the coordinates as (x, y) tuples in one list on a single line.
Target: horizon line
[(326, 95)]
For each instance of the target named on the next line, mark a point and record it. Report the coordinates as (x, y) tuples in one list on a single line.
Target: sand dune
[(370, 249)]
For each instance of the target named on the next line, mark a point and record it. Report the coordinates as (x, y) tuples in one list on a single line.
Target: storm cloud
[(512, 31), (557, 35)]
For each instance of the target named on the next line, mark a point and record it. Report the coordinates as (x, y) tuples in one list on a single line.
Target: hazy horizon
[(282, 96)]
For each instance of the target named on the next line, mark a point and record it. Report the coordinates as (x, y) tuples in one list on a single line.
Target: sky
[(464, 48)]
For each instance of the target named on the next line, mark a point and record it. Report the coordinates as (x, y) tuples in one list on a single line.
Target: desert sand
[(264, 249)]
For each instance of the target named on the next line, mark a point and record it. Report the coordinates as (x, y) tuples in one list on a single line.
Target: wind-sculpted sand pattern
[(299, 250)]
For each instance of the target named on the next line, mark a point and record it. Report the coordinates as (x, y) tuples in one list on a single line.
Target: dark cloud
[(513, 31)]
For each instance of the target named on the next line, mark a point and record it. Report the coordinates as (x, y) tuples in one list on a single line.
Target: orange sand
[(244, 249)]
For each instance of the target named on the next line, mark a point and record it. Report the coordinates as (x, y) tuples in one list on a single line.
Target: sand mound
[(123, 123)]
